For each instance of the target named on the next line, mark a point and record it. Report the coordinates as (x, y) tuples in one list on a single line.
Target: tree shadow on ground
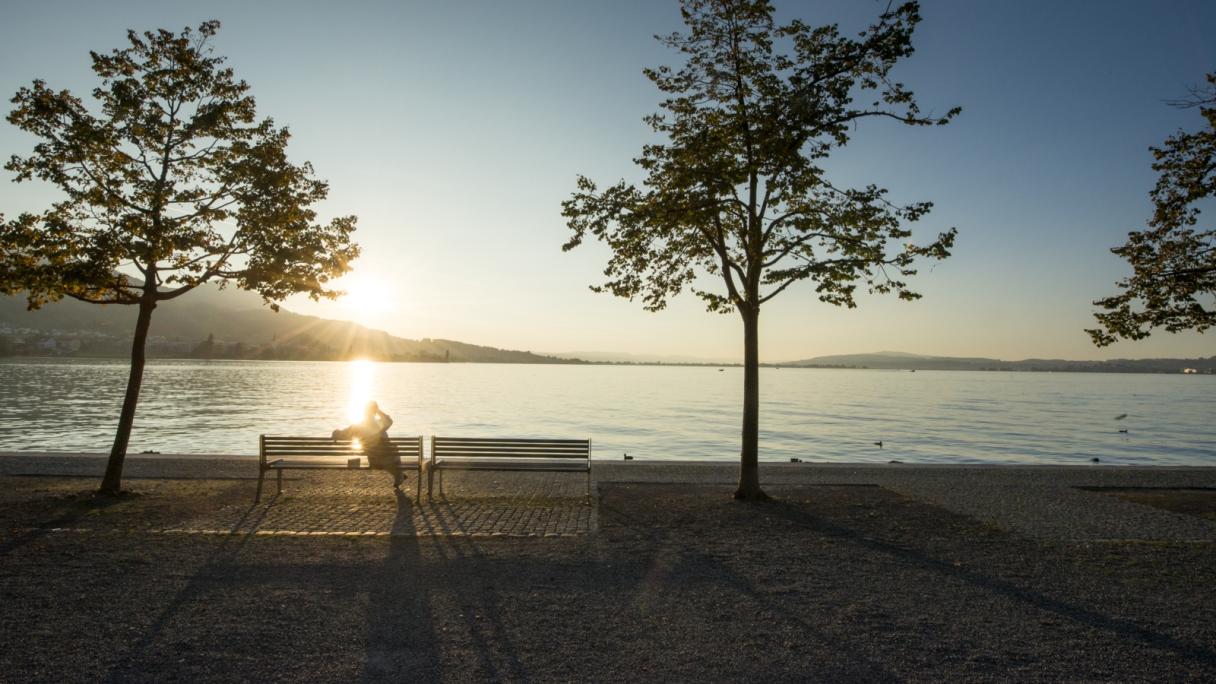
[(644, 599), (667, 533), (1196, 501), (219, 566), (674, 564), (64, 512), (1122, 628)]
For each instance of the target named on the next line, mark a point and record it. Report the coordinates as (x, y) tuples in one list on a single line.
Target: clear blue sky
[(455, 129)]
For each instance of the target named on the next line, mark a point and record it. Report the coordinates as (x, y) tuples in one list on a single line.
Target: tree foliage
[(168, 182), (1173, 281), (737, 189), (736, 186), (172, 182)]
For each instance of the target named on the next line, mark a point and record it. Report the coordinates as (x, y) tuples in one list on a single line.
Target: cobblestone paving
[(363, 504), (497, 517), (299, 516)]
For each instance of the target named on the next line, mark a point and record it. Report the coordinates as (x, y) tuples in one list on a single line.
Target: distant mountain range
[(213, 323), (903, 361)]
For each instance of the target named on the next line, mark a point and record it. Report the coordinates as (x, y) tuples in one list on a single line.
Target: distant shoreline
[(1085, 367), (19, 461)]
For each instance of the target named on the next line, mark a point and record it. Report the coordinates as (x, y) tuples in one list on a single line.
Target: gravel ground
[(866, 573)]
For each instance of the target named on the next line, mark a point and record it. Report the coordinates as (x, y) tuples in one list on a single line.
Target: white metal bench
[(491, 453), (323, 453)]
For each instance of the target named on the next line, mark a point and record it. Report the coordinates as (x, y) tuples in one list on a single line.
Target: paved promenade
[(1041, 502), (854, 573)]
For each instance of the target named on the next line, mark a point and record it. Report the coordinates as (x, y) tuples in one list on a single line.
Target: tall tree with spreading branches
[(737, 190), (1173, 281), (169, 182)]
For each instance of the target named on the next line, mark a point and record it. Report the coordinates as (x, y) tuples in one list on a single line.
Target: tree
[(1173, 281), (170, 183), (737, 189)]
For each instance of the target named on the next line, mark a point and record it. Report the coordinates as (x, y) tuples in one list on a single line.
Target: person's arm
[(387, 421)]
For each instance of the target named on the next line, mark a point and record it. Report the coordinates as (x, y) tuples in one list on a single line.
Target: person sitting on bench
[(372, 433)]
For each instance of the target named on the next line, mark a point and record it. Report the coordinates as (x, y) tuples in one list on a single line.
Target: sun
[(366, 298)]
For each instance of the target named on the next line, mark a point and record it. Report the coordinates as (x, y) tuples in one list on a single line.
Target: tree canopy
[(736, 187), (1173, 281), (168, 181)]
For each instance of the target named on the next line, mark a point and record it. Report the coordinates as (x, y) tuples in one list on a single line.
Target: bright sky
[(455, 129)]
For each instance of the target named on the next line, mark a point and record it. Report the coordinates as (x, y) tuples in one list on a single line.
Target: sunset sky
[(455, 129)]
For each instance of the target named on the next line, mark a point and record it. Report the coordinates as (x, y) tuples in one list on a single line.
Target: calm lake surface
[(679, 413)]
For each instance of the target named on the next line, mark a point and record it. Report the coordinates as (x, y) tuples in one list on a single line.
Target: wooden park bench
[(323, 453), (486, 453)]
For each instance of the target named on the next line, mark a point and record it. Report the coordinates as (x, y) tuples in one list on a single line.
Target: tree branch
[(93, 300), (789, 281)]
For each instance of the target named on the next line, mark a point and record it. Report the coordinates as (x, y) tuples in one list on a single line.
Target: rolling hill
[(904, 361), (214, 323)]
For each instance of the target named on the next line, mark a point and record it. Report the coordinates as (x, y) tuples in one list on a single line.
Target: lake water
[(679, 413)]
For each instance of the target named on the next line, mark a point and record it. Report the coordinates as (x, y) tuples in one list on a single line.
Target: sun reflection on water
[(362, 374)]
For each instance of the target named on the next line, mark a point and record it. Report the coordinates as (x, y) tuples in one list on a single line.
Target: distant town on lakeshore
[(234, 325)]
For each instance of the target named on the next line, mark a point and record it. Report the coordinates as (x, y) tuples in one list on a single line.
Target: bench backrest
[(487, 447), (273, 446)]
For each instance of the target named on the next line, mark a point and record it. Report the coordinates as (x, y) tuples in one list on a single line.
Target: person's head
[(372, 409)]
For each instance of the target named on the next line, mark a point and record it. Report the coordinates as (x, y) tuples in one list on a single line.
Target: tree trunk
[(112, 482), (749, 463)]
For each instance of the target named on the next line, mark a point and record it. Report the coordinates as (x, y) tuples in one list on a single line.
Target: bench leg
[(588, 485), (440, 483), (280, 480), (418, 492), (430, 479), (261, 475)]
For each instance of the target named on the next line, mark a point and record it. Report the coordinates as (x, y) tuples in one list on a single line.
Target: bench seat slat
[(511, 464), (333, 455), (508, 447), (505, 440), (509, 453), (335, 452), (271, 439), (317, 465), (303, 440), (311, 450)]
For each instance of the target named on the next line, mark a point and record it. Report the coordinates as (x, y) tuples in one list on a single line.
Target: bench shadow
[(401, 643), (498, 656), (401, 640)]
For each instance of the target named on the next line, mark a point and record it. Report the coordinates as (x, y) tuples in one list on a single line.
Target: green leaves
[(734, 189), (1173, 281), (170, 181)]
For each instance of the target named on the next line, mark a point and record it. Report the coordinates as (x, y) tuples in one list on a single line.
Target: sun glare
[(366, 298), (362, 375)]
